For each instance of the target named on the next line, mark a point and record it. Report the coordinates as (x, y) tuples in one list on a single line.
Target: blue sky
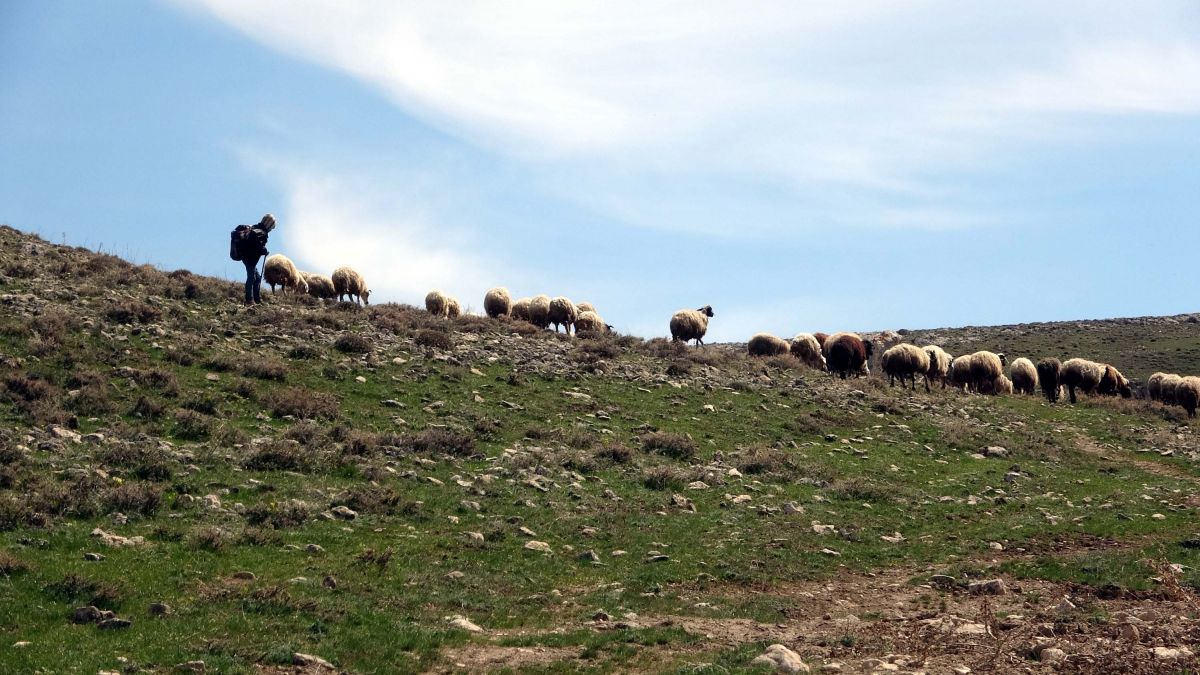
[(799, 166)]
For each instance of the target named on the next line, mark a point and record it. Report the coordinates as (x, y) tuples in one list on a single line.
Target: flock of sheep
[(843, 354), (847, 354)]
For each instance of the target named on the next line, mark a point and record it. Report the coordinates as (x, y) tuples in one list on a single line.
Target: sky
[(799, 166)]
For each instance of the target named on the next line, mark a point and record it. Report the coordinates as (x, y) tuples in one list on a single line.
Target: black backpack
[(247, 242)]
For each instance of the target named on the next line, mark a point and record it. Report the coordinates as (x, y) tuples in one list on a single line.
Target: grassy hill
[(390, 492)]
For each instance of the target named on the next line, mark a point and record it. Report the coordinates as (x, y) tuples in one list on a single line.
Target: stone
[(310, 661), (93, 557), (21, 644), (1052, 655), (191, 667), (1171, 653), (782, 660), (211, 502), (343, 512), (941, 581), (89, 614), (313, 548), (990, 587), (65, 434), (697, 485), (159, 609), (589, 556), (539, 546), (463, 623), (114, 624), (995, 451)]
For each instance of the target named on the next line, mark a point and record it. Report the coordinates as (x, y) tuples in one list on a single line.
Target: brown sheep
[(765, 344), (562, 312), (807, 349), (1048, 371), (1188, 394), (847, 354)]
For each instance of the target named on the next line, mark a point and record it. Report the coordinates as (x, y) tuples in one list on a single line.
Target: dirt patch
[(478, 658)]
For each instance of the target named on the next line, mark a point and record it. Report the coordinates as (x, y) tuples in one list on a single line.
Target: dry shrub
[(11, 565), (378, 499), (675, 446), (435, 339), (139, 498), (77, 589), (377, 559), (614, 453), (129, 311), (437, 440), (191, 425), (304, 352), (147, 408), (764, 460), (209, 539), (53, 325), (859, 490), (260, 367), (351, 343), (280, 516), (280, 456), (302, 403), (663, 478), (28, 389)]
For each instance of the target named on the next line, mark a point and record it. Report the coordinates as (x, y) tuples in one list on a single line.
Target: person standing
[(249, 244)]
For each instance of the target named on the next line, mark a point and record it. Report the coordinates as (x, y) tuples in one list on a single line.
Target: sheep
[(590, 321), (960, 372), (438, 303), (939, 365), (1081, 374), (348, 283), (691, 324), (586, 307), (847, 354), (906, 361), (539, 311), (1168, 388), (279, 270), (1000, 385), (985, 368), (453, 309), (1113, 383), (497, 302), (320, 286), (1188, 394), (765, 344), (806, 348), (1153, 384), (1048, 371), (1024, 376), (520, 310), (562, 312)]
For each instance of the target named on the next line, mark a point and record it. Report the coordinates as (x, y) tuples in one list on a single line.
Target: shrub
[(434, 440), (128, 311), (762, 460), (209, 538), (279, 456), (191, 425), (290, 513), (303, 352), (617, 454), (302, 403), (662, 478), (351, 343), (74, 588), (27, 388), (675, 446), (435, 339), (147, 408), (135, 498), (11, 565)]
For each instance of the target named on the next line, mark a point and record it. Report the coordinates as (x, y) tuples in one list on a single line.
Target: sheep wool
[(562, 312), (539, 311), (904, 362), (1113, 383), (320, 286), (939, 365), (1024, 376), (765, 344), (821, 338), (1168, 388), (520, 310), (1188, 394), (435, 303), (279, 270), (497, 302), (1048, 372), (585, 307), (1081, 374), (985, 368), (347, 282), (453, 309), (590, 322), (691, 324), (1154, 385), (846, 354), (960, 372), (807, 349)]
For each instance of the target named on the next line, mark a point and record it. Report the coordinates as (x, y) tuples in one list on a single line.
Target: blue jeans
[(253, 281)]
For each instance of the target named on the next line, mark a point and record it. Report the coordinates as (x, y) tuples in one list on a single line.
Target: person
[(252, 248)]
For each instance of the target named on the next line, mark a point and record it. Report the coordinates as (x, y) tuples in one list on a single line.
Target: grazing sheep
[(807, 349), (453, 309), (1153, 384), (520, 310), (1081, 374), (438, 303), (1048, 371), (960, 372), (1188, 394), (349, 283), (1024, 376), (1113, 383), (847, 354), (985, 368), (765, 344), (497, 302), (320, 286), (905, 361), (1000, 385), (539, 311), (1168, 388), (691, 324), (562, 312), (279, 270), (939, 365), (585, 307), (590, 321)]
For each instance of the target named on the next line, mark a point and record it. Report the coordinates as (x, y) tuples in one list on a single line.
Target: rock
[(791, 508), (93, 438), (741, 499), (1158, 516), (329, 582), (894, 538), (601, 616), (970, 629), (1064, 606), (539, 546), (343, 512), (991, 587), (697, 485), (525, 531), (463, 623), (995, 451), (1052, 655), (310, 661), (1171, 653), (474, 537), (313, 548), (960, 670), (211, 502), (159, 609), (89, 614), (93, 557), (65, 434), (782, 659), (657, 558), (589, 556), (22, 644), (1130, 633), (941, 581), (114, 624), (116, 541), (995, 546), (191, 667), (455, 575)]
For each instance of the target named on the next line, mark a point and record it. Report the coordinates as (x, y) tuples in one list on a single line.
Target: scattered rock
[(89, 614), (1171, 653), (1052, 655), (114, 624), (782, 659), (344, 512), (93, 557), (463, 623), (191, 667), (539, 546), (310, 661), (990, 587)]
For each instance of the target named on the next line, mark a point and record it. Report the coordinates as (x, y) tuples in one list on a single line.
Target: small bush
[(435, 339), (675, 446), (279, 456), (77, 589), (290, 513), (617, 454), (762, 460), (147, 408), (28, 388), (11, 565), (378, 559), (435, 440), (209, 539), (302, 403), (137, 498), (351, 343), (191, 425), (304, 352), (129, 311), (662, 478), (263, 368)]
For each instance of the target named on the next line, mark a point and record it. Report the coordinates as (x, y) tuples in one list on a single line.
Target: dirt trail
[(1088, 446)]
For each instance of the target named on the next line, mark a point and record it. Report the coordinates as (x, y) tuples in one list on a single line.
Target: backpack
[(247, 242)]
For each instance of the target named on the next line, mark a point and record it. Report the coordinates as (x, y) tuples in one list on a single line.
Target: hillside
[(271, 490)]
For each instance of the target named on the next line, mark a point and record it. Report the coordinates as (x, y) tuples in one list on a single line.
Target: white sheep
[(539, 311), (939, 365), (1024, 376), (986, 367), (520, 310), (437, 303), (348, 283), (905, 361), (497, 302), (562, 313), (1168, 388), (765, 344), (319, 286), (279, 270), (585, 307), (960, 372), (1154, 386), (807, 349), (1187, 394), (590, 321), (453, 309), (691, 324)]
